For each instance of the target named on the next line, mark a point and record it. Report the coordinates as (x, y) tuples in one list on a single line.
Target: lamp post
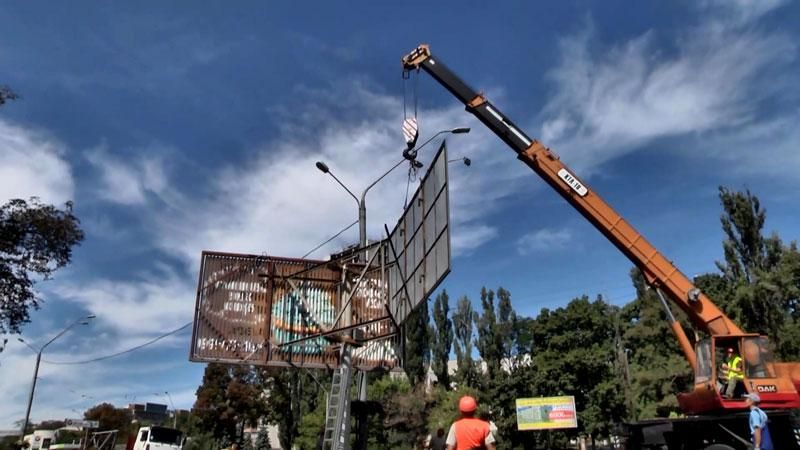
[(81, 320), (408, 154)]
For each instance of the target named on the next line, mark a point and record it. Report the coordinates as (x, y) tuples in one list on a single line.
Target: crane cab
[(760, 374)]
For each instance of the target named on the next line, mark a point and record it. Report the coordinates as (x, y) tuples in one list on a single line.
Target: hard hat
[(730, 349), (467, 404)]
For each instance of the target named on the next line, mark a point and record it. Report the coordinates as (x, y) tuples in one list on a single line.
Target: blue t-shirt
[(758, 418)]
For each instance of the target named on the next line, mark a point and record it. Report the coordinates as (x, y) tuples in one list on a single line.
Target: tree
[(485, 326), (7, 94), (417, 343), (462, 328), (110, 418), (262, 440), (759, 284), (442, 338), (35, 239), (496, 330), (212, 407), (574, 354), (658, 369), (292, 394)]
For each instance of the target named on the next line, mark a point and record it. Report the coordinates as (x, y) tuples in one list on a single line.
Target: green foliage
[(417, 343), (618, 363), (405, 412), (262, 440), (111, 418), (462, 328), (229, 398), (292, 395), (496, 329), (657, 366), (311, 426), (575, 354), (35, 240), (9, 443), (7, 94), (441, 338)]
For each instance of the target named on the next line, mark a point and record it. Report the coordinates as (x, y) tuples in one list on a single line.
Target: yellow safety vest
[(733, 372)]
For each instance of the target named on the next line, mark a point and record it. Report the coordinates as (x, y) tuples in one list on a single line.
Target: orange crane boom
[(778, 382)]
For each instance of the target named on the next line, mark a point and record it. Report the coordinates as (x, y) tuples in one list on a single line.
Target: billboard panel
[(546, 413), (265, 310), (419, 245)]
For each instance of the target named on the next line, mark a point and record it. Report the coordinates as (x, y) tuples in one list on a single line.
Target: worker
[(470, 432), (734, 372), (438, 442), (759, 429)]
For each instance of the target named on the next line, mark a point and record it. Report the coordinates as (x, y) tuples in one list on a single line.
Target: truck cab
[(158, 438), (40, 439)]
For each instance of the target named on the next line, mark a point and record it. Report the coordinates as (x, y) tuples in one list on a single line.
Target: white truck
[(158, 438), (40, 439)]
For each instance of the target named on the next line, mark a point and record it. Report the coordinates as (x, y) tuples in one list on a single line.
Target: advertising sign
[(546, 413), (81, 423), (273, 311)]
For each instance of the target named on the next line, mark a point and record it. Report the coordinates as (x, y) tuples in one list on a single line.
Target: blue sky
[(184, 126)]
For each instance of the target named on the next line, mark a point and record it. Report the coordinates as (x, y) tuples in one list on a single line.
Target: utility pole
[(81, 320)]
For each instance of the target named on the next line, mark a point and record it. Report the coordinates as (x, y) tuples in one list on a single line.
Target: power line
[(114, 355), (330, 239)]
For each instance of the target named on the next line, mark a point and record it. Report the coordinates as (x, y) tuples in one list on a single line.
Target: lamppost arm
[(459, 130), (364, 194)]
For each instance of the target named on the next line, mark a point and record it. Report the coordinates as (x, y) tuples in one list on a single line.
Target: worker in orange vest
[(469, 432)]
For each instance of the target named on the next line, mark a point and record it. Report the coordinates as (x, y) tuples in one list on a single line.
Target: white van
[(158, 438)]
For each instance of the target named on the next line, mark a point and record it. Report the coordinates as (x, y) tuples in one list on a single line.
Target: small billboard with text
[(546, 413)]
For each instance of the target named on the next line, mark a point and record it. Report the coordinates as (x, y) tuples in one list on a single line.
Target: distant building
[(149, 412)]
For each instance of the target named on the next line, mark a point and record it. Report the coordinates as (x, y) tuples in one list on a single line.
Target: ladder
[(337, 413)]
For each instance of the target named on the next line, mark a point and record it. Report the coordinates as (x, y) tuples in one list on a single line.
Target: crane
[(776, 383)]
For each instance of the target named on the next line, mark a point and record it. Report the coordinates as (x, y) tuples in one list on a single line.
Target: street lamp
[(408, 154), (84, 320), (467, 161), (411, 153)]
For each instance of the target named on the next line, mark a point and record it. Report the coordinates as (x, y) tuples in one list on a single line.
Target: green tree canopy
[(35, 240), (441, 338), (462, 329), (110, 417), (417, 343)]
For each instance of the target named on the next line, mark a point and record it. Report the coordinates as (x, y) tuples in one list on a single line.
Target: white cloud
[(32, 164), (68, 390), (773, 148), (280, 204), (611, 101), (742, 11), (543, 240), (127, 182), (143, 306)]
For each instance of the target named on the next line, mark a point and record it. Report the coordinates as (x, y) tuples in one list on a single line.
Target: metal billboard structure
[(420, 242), (272, 311), (287, 312)]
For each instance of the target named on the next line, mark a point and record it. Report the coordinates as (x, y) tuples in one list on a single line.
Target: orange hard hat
[(467, 404)]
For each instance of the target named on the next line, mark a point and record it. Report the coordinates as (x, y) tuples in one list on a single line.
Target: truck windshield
[(165, 436)]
